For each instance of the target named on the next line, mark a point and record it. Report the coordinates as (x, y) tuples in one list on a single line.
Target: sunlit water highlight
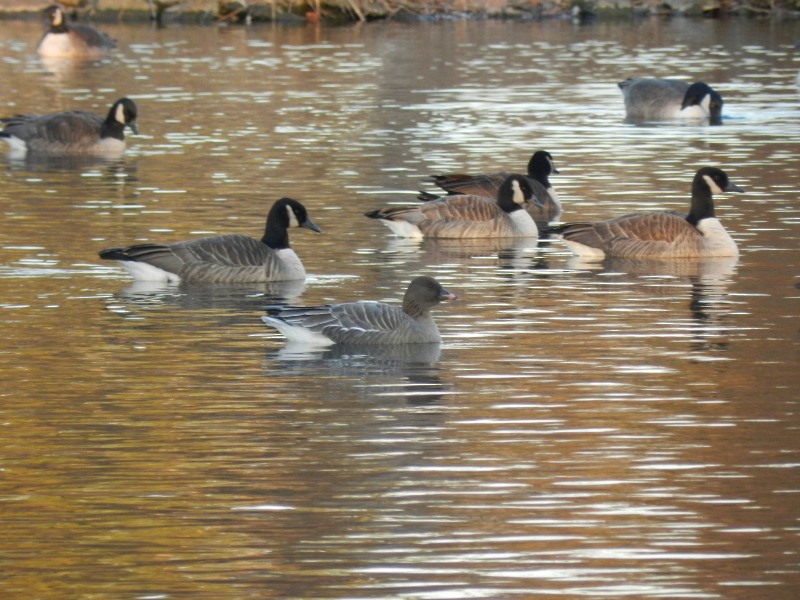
[(606, 431)]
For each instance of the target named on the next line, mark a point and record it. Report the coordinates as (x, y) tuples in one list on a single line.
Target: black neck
[(276, 236), (111, 128), (702, 202)]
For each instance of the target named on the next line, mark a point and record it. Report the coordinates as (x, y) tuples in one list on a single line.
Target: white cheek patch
[(293, 222), (119, 115), (706, 104), (519, 197), (58, 18), (715, 189)]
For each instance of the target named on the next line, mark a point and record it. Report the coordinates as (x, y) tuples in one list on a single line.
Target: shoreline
[(347, 11)]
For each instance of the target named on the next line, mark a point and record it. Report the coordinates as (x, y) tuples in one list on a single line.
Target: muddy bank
[(334, 11)]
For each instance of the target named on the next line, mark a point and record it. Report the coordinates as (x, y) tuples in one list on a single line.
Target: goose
[(71, 40), (365, 322), (659, 234), (229, 258), (540, 167), (659, 99), (73, 132), (465, 216)]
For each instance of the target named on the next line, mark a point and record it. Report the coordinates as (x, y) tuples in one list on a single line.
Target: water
[(622, 430)]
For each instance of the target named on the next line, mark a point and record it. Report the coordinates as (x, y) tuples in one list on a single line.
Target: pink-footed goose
[(365, 322)]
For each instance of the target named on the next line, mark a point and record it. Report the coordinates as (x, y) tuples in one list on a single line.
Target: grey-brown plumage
[(229, 258), (367, 322), (659, 234), (540, 167), (71, 40), (73, 132), (465, 217), (651, 99)]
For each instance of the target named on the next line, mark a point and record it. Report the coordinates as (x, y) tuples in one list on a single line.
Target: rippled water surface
[(617, 430)]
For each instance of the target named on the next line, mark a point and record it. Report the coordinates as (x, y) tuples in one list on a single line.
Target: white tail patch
[(298, 334), (403, 229), (715, 189), (142, 271)]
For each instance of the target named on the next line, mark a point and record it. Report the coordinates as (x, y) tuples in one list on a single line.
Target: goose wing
[(62, 128), (351, 322), (639, 235), (220, 259), (91, 37), (485, 184)]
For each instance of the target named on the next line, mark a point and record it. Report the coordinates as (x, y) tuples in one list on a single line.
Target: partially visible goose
[(659, 234), (365, 322), (465, 216), (229, 258), (540, 167), (660, 99), (71, 40), (73, 132)]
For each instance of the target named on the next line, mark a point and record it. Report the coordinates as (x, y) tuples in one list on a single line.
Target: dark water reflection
[(622, 429)]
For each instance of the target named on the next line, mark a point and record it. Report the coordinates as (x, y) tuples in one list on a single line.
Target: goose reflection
[(189, 296), (709, 299), (409, 371), (509, 252)]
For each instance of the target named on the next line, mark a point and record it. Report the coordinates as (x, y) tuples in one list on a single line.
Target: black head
[(701, 94), (514, 192), (707, 182), (290, 213), (55, 18), (715, 180), (123, 114), (541, 165)]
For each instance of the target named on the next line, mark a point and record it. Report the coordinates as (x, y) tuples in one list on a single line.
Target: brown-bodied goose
[(664, 99), (365, 322), (71, 40), (654, 235), (465, 217), (540, 167), (71, 133), (229, 258)]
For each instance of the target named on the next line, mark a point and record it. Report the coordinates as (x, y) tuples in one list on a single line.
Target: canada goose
[(659, 99), (540, 167), (71, 40), (73, 132), (465, 216), (659, 234), (365, 322), (229, 258)]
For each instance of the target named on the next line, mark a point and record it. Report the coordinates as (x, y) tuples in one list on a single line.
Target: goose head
[(700, 94), (514, 192)]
